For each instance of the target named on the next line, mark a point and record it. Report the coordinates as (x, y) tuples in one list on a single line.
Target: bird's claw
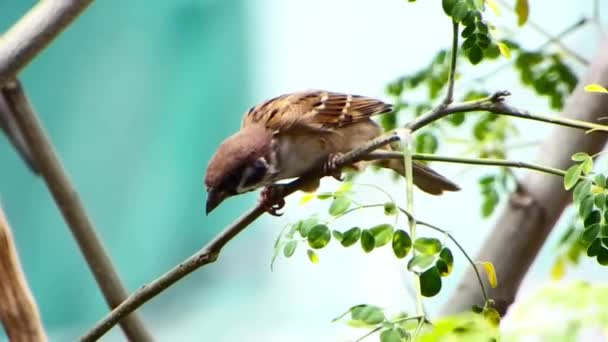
[(271, 201), (331, 168)]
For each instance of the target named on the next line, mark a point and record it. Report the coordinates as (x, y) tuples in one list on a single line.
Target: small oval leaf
[(420, 263), (382, 234), (390, 209), (351, 236), (339, 205), (572, 175), (312, 256), (367, 241), (319, 236), (522, 10), (490, 273), (368, 314), (402, 243), (430, 282), (428, 246), (290, 248), (596, 88)]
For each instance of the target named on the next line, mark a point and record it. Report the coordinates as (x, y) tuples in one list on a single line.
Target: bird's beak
[(214, 198)]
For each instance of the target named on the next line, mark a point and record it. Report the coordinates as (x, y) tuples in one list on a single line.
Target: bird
[(295, 133)]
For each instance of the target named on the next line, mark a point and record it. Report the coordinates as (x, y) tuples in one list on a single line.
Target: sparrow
[(292, 134), (14, 134)]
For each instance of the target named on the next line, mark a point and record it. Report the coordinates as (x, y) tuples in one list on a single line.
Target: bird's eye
[(254, 173)]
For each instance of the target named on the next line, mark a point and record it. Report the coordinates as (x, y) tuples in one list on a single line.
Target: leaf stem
[(409, 195), (454, 57)]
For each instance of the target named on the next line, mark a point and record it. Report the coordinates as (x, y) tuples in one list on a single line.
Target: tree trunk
[(535, 207), (18, 310)]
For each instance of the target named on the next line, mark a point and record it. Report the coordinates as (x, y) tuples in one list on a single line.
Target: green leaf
[(595, 248), (587, 166), (428, 246), (600, 200), (602, 257), (491, 315), (325, 195), (489, 204), (304, 226), (596, 88), (572, 175), (390, 209), (402, 243), (448, 6), (339, 205), (420, 263), (290, 248), (476, 308), (382, 233), (522, 10), (367, 314), (580, 156), (442, 267), (306, 198), (312, 256), (367, 241), (448, 258), (600, 180), (390, 335), (590, 234), (351, 236), (581, 191), (319, 236), (459, 11), (468, 31), (594, 217), (430, 282), (586, 206), (337, 235), (456, 119), (504, 50), (475, 54)]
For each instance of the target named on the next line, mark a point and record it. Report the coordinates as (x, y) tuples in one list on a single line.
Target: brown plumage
[(289, 135)]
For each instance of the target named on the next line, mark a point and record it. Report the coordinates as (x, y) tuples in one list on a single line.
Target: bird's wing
[(314, 110)]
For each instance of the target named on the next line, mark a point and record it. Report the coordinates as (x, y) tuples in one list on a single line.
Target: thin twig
[(18, 310), (71, 207), (33, 32), (210, 252)]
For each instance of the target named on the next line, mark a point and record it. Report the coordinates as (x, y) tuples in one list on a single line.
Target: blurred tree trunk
[(533, 210), (18, 310)]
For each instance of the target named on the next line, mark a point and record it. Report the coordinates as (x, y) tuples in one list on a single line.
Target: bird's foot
[(271, 200), (331, 168)]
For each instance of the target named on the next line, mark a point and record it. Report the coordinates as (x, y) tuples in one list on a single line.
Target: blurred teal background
[(136, 95)]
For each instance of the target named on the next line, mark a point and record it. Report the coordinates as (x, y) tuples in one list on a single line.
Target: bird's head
[(239, 165)]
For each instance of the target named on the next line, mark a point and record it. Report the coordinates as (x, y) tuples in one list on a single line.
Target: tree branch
[(71, 207), (14, 135), (210, 252), (18, 310), (33, 32)]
